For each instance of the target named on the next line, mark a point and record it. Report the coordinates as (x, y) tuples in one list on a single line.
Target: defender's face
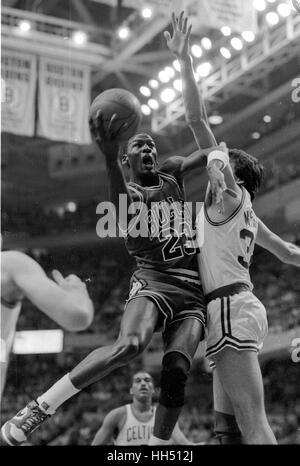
[(142, 155), (142, 386)]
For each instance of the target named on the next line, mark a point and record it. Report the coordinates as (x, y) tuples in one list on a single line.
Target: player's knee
[(249, 412), (130, 346), (226, 429), (173, 380)]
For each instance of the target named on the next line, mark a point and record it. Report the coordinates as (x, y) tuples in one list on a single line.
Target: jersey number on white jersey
[(247, 235)]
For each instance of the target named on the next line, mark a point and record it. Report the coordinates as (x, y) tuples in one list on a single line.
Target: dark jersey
[(160, 235)]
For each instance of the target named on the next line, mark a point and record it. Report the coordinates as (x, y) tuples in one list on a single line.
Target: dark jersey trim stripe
[(217, 224), (228, 316)]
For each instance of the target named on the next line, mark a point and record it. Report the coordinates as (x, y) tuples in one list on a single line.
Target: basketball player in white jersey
[(228, 230), (66, 301), (133, 424)]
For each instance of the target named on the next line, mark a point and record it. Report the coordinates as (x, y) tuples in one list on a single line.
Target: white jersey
[(8, 317), (227, 246), (135, 432)]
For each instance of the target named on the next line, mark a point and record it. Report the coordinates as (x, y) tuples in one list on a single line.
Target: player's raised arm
[(288, 253), (105, 435), (107, 142), (66, 302), (195, 111), (196, 116)]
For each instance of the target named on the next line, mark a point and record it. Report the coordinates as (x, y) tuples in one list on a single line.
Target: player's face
[(142, 155), (142, 386)]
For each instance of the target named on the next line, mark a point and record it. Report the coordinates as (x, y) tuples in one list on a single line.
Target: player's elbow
[(290, 254)]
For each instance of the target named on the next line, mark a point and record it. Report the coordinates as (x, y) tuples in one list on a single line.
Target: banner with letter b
[(64, 100), (19, 74)]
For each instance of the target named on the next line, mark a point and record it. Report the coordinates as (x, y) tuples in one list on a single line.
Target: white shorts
[(238, 321)]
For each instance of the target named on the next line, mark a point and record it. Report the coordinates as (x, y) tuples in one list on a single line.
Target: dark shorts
[(177, 294)]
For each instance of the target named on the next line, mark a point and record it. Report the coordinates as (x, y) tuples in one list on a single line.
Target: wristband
[(218, 155)]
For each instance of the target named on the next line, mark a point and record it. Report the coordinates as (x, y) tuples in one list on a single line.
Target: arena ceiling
[(254, 81)]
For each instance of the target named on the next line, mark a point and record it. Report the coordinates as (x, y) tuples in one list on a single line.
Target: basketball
[(124, 104), (296, 4)]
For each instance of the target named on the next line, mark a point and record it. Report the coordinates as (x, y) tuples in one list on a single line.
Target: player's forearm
[(101, 439), (72, 311), (194, 109), (196, 116), (117, 186)]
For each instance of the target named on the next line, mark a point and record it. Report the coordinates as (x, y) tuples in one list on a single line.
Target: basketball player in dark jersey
[(166, 294)]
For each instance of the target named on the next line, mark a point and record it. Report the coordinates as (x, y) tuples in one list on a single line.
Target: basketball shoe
[(17, 430)]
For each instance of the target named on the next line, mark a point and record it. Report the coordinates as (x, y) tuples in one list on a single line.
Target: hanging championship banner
[(239, 15), (19, 73), (64, 100)]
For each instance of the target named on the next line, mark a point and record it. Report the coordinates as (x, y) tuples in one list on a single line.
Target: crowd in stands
[(278, 172), (76, 422), (107, 275), (40, 222), (277, 285)]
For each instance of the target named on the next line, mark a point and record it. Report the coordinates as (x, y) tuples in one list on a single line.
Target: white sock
[(158, 441), (57, 395)]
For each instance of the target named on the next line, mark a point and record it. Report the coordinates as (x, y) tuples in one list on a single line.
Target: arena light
[(225, 52), (123, 32), (176, 65), (178, 85), (226, 31), (79, 37), (71, 207), (215, 120), (147, 12), (153, 83), (153, 103), (272, 1), (260, 5), (163, 76), (170, 71), (256, 135), (272, 18), (267, 119), (146, 110), (24, 26), (284, 10), (236, 43), (248, 36), (167, 95), (204, 69), (144, 90), (206, 43), (38, 341), (196, 50)]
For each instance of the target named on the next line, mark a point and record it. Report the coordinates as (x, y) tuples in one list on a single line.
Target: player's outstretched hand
[(217, 187), (179, 42), (217, 182), (106, 135)]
